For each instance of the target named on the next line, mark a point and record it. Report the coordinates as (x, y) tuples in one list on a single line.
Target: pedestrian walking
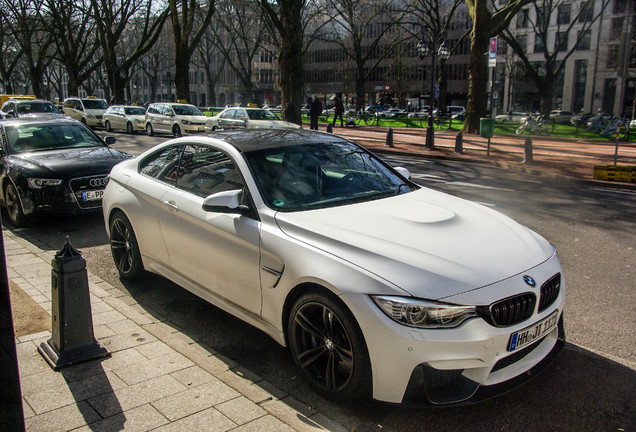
[(314, 112), (290, 112), (338, 109)]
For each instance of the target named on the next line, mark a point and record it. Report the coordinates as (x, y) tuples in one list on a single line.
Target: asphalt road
[(590, 387)]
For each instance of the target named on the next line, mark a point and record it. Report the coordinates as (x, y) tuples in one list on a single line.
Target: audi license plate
[(535, 331), (92, 195)]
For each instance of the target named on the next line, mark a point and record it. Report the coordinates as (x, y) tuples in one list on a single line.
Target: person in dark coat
[(290, 112), (314, 112), (338, 109)]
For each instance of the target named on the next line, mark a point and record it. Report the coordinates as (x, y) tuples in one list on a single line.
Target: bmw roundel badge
[(527, 279)]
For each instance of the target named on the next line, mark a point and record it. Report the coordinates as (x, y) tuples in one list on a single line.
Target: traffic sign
[(492, 54)]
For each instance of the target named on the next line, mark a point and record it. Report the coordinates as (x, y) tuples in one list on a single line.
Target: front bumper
[(62, 199), (463, 364)]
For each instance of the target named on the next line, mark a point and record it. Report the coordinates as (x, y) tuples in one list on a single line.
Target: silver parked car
[(378, 286), (130, 118)]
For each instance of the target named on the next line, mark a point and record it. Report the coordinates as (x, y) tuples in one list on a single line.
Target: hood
[(271, 124), (193, 118), (429, 244), (65, 163)]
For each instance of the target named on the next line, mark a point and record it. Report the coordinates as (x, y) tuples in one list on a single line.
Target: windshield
[(36, 107), (186, 110), (322, 175), (134, 111), (50, 136), (99, 104), (262, 114)]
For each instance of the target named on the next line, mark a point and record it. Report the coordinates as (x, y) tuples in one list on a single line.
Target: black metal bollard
[(528, 151), (329, 128), (72, 338), (389, 137), (459, 143)]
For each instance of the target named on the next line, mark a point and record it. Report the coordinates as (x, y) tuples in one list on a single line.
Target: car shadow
[(580, 391)]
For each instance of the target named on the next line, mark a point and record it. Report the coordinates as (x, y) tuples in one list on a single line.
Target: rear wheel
[(14, 207), (149, 130), (124, 248), (328, 347), (176, 131)]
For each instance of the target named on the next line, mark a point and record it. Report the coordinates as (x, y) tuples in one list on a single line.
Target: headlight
[(91, 116), (39, 183), (422, 313), (186, 122), (138, 121)]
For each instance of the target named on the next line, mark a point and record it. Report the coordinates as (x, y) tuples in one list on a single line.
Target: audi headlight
[(39, 183), (186, 122), (420, 313)]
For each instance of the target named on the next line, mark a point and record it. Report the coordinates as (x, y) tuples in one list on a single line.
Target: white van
[(86, 110)]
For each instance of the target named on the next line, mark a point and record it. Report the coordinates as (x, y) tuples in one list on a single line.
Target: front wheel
[(522, 127), (328, 347), (129, 128), (149, 130), (108, 127), (176, 131), (14, 208), (124, 248)]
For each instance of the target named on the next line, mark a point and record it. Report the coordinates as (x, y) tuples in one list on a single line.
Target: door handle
[(172, 205)]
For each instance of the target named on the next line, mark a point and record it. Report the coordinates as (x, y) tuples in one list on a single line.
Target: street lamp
[(442, 51)]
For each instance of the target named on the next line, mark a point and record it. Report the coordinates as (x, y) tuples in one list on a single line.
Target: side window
[(205, 170), (163, 165), (241, 115), (228, 114), (152, 109)]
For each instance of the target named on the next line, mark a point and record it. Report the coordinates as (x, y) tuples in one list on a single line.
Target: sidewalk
[(573, 158), (155, 379)]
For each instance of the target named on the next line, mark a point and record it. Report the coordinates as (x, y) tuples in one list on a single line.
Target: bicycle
[(538, 124), (363, 118)]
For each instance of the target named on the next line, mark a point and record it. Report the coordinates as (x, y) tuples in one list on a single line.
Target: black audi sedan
[(52, 165)]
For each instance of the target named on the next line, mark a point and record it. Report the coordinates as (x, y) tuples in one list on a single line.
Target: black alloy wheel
[(124, 248), (328, 347), (14, 207)]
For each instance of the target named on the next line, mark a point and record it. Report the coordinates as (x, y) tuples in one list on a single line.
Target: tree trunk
[(477, 82), (182, 78), (290, 57)]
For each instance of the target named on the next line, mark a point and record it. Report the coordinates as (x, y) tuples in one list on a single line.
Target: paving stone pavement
[(156, 378)]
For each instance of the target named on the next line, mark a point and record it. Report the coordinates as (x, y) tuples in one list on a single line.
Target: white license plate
[(92, 195), (535, 331)]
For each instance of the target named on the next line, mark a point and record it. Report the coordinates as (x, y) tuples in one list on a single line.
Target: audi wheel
[(14, 206)]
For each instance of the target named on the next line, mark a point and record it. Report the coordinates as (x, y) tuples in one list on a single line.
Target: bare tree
[(209, 59), (186, 38), (73, 35), (26, 29), (487, 23), (9, 53), (287, 18), (546, 74), (112, 17), (366, 32), (239, 31)]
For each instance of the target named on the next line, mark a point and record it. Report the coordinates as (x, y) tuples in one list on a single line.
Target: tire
[(124, 248), (176, 131), (324, 337), (521, 128), (149, 130), (107, 126), (129, 128), (14, 206)]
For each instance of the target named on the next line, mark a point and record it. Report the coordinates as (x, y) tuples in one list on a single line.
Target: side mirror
[(110, 140), (403, 172), (225, 202)]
